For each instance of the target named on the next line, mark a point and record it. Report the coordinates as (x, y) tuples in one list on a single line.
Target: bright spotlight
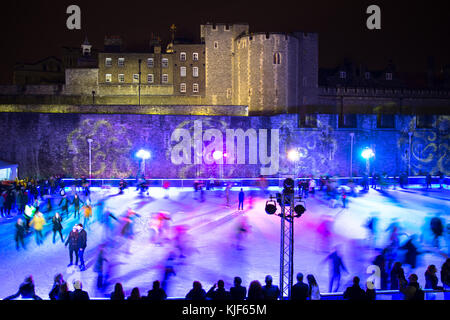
[(217, 155), (367, 153), (293, 155), (143, 154)]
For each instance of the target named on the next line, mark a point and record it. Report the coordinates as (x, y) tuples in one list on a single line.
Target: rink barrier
[(380, 294), (251, 182)]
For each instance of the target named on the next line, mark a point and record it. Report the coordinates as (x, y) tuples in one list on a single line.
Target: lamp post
[(409, 153), (140, 61), (143, 155), (352, 135), (294, 156), (90, 157), (219, 155), (367, 154)]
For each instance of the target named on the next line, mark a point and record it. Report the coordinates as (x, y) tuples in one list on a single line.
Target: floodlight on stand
[(271, 207), (288, 186), (299, 210)]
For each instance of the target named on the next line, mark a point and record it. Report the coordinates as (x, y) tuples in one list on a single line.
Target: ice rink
[(210, 243)]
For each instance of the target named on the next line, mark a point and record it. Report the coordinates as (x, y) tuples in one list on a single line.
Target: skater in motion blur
[(20, 234), (371, 226), (57, 226), (76, 203), (26, 290), (242, 229), (122, 186), (38, 223), (437, 228), (336, 265), (159, 227)]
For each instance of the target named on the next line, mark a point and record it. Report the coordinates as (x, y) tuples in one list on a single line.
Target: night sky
[(411, 30)]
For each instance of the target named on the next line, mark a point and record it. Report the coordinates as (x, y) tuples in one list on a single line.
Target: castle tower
[(219, 60), (266, 72), (86, 47)]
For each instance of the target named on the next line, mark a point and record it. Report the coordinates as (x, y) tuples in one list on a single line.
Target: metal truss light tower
[(289, 211)]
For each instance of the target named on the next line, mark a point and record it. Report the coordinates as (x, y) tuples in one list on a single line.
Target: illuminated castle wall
[(45, 144)]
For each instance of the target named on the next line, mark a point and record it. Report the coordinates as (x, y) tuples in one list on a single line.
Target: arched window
[(277, 58)]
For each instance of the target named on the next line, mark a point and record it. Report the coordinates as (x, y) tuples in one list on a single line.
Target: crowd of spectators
[(301, 291)]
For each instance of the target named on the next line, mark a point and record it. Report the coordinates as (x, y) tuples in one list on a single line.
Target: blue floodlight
[(143, 154), (293, 155), (367, 153)]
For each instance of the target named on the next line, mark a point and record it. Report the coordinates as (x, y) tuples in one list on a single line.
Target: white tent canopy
[(8, 171)]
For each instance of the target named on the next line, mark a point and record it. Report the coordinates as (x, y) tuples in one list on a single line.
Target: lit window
[(277, 58), (135, 78), (121, 62), (183, 56), (183, 87), (182, 71), (195, 56), (195, 71), (108, 77), (150, 62), (195, 87), (150, 78), (342, 74), (121, 77), (108, 62), (216, 44), (165, 63), (388, 76), (165, 78)]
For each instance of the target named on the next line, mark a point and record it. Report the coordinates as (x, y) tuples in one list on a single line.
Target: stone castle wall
[(44, 144)]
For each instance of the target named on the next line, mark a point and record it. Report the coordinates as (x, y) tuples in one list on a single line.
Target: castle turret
[(219, 55)]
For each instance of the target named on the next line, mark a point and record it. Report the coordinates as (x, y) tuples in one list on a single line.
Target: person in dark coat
[(78, 294), (118, 293), (238, 292), (300, 290), (72, 241), (437, 228), (220, 293), (355, 292), (20, 234), (157, 293), (56, 289), (241, 200), (64, 203), (411, 252), (197, 292), (270, 291), (398, 278), (255, 291), (445, 278), (380, 261), (64, 293), (57, 226), (82, 243), (26, 290), (412, 290), (431, 279), (135, 294), (76, 204), (98, 267), (335, 268), (428, 180), (8, 204)]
